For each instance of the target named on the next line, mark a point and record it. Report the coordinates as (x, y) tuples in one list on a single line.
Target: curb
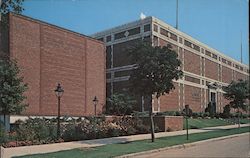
[(181, 146)]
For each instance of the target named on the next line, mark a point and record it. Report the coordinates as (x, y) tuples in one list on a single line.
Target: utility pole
[(241, 46), (177, 1)]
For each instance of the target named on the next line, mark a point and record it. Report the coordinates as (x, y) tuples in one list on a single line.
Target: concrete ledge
[(181, 146)]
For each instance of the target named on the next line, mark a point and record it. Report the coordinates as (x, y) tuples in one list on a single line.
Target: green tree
[(237, 92), (12, 89), (7, 6), (155, 70), (120, 104), (11, 6)]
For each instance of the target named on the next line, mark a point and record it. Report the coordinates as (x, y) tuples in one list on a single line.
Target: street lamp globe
[(95, 101), (59, 90)]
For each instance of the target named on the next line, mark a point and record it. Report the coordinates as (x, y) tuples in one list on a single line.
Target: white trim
[(124, 27), (121, 68)]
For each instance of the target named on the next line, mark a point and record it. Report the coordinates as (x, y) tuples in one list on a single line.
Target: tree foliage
[(237, 92), (120, 104), (12, 88), (155, 69), (11, 6)]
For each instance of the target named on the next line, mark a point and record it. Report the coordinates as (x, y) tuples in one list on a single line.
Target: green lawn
[(137, 146), (202, 123)]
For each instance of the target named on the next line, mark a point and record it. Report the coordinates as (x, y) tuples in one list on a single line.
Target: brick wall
[(191, 62), (193, 97), (211, 69), (226, 74), (239, 75), (165, 43), (47, 55), (170, 102), (165, 123)]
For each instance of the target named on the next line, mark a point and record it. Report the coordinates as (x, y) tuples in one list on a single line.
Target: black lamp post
[(95, 101), (59, 92)]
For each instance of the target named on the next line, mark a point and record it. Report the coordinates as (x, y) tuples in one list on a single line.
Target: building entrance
[(213, 100)]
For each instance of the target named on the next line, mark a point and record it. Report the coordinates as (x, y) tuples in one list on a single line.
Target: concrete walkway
[(47, 148)]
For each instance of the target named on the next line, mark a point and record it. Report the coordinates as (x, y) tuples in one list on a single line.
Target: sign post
[(187, 113)]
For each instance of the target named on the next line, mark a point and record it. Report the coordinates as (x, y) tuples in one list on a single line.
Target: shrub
[(3, 136), (195, 115), (211, 109), (120, 104), (226, 111), (206, 114), (169, 113), (140, 114), (190, 112), (177, 113), (37, 130), (245, 115)]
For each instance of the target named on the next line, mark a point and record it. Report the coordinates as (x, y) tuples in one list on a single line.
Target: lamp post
[(59, 92), (95, 101)]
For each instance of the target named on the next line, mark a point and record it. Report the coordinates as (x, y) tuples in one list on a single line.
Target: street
[(237, 147)]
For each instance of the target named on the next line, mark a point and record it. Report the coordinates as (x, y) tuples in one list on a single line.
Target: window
[(229, 63), (100, 39), (187, 43), (214, 56), (196, 47), (134, 31), (224, 60), (155, 28), (147, 39), (147, 28), (108, 38), (164, 32), (120, 35), (173, 36), (180, 40), (208, 53), (237, 66)]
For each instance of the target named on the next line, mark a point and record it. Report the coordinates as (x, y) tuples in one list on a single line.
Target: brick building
[(47, 55), (206, 70)]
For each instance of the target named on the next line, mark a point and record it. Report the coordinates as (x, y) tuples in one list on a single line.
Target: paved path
[(236, 147), (36, 149)]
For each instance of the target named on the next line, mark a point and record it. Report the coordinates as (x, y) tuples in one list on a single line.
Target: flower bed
[(44, 131)]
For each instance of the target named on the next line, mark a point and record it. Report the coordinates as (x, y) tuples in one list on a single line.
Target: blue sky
[(217, 23)]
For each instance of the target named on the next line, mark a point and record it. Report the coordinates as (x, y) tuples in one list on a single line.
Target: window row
[(126, 33)]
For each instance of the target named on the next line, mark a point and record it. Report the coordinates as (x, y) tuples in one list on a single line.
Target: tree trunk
[(4, 122), (152, 128), (238, 118)]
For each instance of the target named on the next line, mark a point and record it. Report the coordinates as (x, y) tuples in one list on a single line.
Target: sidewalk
[(38, 149)]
